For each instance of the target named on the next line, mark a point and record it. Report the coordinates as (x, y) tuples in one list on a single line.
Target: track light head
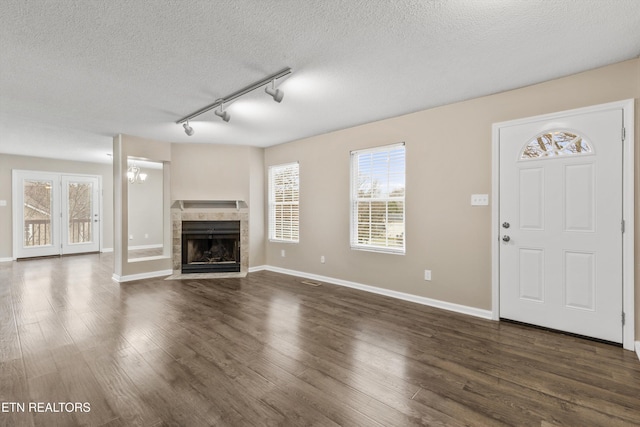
[(187, 129), (224, 114), (277, 94)]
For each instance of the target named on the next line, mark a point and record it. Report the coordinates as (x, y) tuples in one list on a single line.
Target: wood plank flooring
[(268, 350)]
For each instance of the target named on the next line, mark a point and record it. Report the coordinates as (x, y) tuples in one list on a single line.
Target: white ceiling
[(75, 73)]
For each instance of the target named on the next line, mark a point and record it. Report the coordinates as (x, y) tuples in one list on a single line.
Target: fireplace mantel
[(208, 210), (209, 204)]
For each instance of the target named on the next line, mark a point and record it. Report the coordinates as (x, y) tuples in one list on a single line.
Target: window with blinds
[(377, 199), (284, 196)]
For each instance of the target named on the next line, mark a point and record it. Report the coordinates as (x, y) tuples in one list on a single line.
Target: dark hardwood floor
[(269, 350)]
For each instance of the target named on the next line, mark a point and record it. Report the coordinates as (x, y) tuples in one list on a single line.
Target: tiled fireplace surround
[(206, 210)]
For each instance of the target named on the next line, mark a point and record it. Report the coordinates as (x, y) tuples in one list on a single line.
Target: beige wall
[(10, 162), (448, 159), (223, 172), (256, 207), (210, 172)]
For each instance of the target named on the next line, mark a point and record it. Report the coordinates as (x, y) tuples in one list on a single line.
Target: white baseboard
[(638, 349), (149, 275), (103, 250), (135, 248), (257, 268), (472, 311)]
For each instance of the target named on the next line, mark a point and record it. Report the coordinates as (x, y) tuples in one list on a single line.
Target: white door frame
[(628, 207)]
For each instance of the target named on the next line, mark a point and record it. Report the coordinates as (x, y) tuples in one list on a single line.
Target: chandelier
[(135, 175)]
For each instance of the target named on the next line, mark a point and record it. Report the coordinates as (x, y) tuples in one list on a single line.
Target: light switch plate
[(479, 200), (3, 203)]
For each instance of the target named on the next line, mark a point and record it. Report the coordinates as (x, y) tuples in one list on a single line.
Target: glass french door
[(80, 214), (36, 219), (55, 214)]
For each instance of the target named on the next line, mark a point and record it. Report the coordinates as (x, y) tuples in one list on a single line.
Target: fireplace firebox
[(210, 246)]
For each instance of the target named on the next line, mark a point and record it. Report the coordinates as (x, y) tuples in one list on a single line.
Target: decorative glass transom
[(555, 143)]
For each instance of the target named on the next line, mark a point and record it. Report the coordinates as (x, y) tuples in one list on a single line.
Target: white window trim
[(352, 212), (271, 204)]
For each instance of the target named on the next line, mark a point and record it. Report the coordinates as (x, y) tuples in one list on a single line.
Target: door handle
[(506, 238), (506, 225)]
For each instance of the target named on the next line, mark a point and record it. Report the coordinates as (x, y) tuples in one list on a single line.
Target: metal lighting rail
[(237, 94)]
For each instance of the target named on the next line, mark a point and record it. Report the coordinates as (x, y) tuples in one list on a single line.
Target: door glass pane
[(80, 208), (38, 203), (556, 143)]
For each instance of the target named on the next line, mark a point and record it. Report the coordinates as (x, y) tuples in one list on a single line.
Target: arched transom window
[(555, 143)]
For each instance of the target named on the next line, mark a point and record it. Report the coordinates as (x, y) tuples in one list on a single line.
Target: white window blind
[(378, 199), (284, 196)]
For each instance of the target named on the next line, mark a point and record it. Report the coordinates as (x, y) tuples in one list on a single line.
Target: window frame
[(354, 199), (271, 226)]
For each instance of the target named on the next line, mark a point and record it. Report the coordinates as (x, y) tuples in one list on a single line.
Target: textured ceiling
[(74, 73)]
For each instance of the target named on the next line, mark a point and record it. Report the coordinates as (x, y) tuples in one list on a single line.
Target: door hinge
[(623, 318), (622, 225), (624, 134)]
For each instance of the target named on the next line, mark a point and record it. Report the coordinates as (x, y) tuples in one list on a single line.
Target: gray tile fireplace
[(210, 239)]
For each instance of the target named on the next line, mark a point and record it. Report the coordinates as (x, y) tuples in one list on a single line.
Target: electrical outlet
[(146, 236), (283, 253), (427, 275), (3, 203), (131, 237), (479, 199), (322, 259)]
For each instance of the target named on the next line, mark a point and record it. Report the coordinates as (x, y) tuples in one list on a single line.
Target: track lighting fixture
[(277, 95), (187, 129), (222, 113)]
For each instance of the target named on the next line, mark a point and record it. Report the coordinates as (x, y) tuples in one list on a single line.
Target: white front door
[(560, 218), (80, 214)]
